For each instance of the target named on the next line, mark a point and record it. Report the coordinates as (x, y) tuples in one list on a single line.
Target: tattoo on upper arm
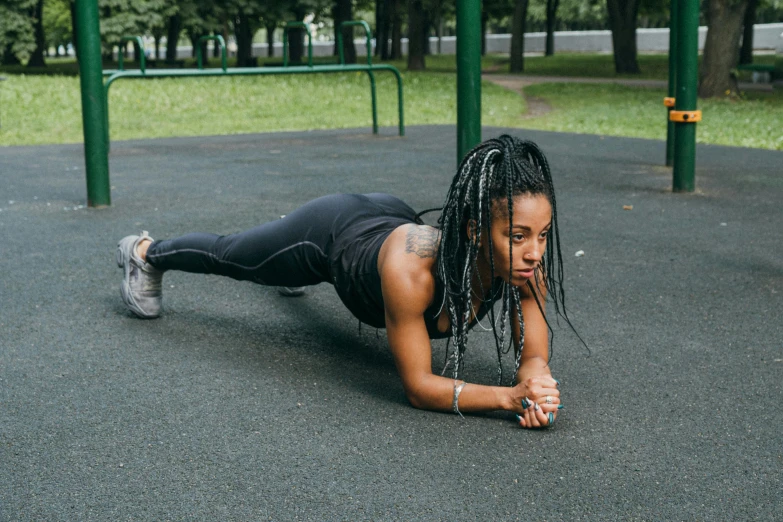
[(422, 241)]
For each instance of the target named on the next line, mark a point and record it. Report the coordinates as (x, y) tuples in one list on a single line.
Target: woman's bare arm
[(534, 374), (408, 289)]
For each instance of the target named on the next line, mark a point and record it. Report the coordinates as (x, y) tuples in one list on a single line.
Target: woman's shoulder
[(407, 260), (410, 242)]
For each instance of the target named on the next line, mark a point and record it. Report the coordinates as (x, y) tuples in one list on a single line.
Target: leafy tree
[(17, 34), (654, 13), (37, 56), (272, 14), (570, 15), (769, 11), (493, 10), (245, 17), (200, 18), (57, 24), (159, 28), (127, 18), (442, 11)]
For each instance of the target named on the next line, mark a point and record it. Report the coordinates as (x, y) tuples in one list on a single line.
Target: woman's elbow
[(416, 400), (420, 397)]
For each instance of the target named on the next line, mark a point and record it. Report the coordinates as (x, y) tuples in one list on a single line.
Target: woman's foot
[(141, 287)]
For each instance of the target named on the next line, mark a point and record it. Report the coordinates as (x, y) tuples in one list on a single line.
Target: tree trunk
[(484, 20), (396, 32), (194, 36), (439, 33), (172, 37), (270, 38), (384, 29), (74, 31), (415, 43), (622, 21), (746, 53), (342, 12), (379, 21), (243, 31), (518, 20), (205, 48), (296, 36), (107, 51), (425, 33), (9, 58), (551, 20), (721, 48), (37, 58)]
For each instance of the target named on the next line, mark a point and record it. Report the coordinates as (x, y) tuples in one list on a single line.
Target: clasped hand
[(536, 401)]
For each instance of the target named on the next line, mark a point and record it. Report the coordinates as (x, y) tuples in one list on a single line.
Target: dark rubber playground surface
[(239, 404)]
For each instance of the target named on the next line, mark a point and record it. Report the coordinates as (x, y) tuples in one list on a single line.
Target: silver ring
[(549, 399)]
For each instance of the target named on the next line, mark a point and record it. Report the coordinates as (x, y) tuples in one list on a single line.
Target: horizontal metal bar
[(260, 71), (245, 71)]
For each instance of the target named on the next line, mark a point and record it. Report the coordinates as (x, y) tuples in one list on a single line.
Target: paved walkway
[(516, 82), (239, 404), (537, 106)]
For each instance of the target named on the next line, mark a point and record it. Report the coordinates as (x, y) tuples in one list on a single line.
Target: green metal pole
[(687, 71), (96, 151), (672, 81), (374, 99), (468, 76)]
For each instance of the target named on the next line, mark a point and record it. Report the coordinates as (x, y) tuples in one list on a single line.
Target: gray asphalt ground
[(240, 404)]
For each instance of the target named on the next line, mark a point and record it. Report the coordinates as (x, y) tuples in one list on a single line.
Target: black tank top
[(353, 259)]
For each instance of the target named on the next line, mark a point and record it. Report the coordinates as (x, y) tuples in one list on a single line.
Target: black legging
[(332, 239)]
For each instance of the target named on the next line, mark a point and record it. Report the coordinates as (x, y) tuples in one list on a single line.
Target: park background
[(39, 101)]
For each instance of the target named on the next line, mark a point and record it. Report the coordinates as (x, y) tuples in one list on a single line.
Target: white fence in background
[(766, 37)]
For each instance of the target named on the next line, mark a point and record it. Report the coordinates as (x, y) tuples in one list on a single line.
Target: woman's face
[(529, 231)]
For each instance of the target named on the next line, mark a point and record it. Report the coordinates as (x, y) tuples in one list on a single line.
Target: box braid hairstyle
[(495, 171)]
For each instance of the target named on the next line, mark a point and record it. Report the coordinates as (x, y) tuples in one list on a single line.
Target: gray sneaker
[(141, 283), (291, 291)]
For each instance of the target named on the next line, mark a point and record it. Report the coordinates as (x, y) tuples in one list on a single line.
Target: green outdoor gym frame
[(95, 94), (142, 72)]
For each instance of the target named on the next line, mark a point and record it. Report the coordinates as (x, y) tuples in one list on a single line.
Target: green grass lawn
[(652, 66), (47, 109), (616, 110), (40, 109)]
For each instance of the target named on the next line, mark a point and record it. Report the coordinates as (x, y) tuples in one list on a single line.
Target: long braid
[(499, 168)]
